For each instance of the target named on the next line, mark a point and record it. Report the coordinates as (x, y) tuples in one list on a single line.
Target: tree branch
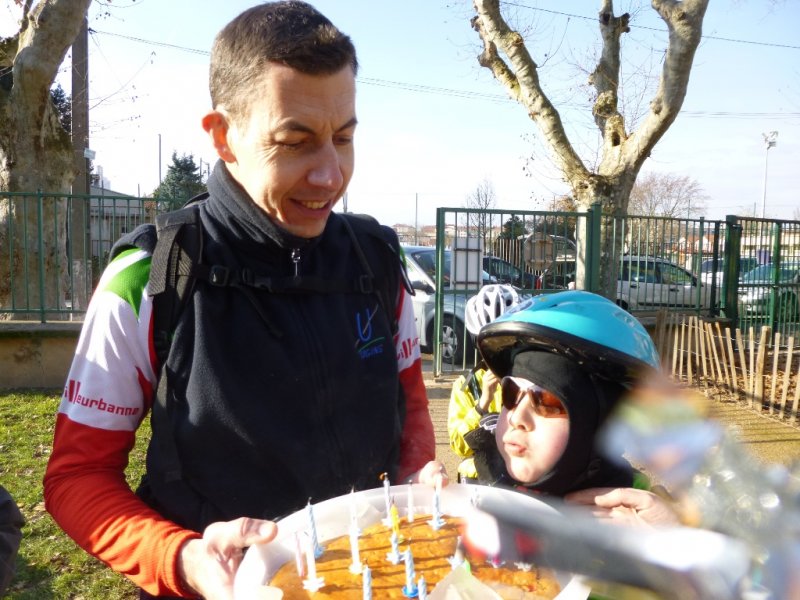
[(684, 20), (521, 80), (605, 80)]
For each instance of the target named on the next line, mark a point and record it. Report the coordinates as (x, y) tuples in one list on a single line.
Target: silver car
[(758, 290), (643, 283), (455, 338)]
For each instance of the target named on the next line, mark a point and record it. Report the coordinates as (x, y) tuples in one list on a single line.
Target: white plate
[(332, 519)]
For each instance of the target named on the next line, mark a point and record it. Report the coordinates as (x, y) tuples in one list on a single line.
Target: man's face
[(294, 153)]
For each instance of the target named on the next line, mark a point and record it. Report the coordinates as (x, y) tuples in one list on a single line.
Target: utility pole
[(79, 213), (416, 219), (770, 141)]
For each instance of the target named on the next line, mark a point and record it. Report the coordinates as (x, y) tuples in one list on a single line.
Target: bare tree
[(667, 195), (482, 198), (623, 152), (35, 149)]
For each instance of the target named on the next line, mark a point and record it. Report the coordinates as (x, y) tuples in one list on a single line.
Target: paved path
[(768, 439)]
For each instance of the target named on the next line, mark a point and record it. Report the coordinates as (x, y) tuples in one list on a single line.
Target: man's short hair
[(290, 33)]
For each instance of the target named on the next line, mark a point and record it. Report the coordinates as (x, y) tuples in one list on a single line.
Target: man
[(272, 394)]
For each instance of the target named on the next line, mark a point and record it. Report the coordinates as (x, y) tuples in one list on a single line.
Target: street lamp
[(770, 141)]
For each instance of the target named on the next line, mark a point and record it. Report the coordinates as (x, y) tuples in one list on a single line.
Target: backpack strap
[(179, 249), (391, 264)]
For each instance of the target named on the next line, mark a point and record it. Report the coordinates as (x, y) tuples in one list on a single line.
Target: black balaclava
[(588, 401)]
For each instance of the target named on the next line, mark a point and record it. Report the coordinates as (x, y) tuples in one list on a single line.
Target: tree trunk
[(35, 155)]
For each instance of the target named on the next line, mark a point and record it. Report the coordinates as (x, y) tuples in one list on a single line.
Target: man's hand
[(208, 565), (429, 474), (626, 505)]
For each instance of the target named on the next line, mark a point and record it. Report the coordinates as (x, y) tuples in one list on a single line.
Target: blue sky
[(433, 124)]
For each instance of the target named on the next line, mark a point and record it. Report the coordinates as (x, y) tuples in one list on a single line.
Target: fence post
[(439, 293), (775, 276), (594, 224), (730, 280), (40, 235)]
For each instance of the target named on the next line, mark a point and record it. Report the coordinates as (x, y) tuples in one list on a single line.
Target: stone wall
[(36, 355)]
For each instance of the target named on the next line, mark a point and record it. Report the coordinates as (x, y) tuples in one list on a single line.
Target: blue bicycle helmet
[(590, 329)]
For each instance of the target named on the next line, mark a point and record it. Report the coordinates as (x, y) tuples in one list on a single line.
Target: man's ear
[(217, 126)]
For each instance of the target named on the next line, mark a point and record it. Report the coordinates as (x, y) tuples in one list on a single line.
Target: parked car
[(647, 282), (746, 263), (425, 257), (757, 290), (455, 339), (643, 283), (505, 272)]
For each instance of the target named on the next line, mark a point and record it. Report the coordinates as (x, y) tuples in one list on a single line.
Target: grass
[(50, 564)]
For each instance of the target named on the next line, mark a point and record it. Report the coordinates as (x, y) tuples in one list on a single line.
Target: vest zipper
[(296, 260)]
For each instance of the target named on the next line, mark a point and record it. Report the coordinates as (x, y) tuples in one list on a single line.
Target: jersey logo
[(366, 345)]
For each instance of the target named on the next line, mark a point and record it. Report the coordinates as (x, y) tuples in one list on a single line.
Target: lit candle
[(458, 556), (367, 583), (298, 556), (386, 496), (395, 519), (355, 565), (410, 589), (422, 587), (394, 556), (353, 508), (436, 522), (312, 527), (410, 503), (312, 582)]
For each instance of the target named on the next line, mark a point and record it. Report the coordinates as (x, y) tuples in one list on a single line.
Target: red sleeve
[(418, 444), (86, 493)]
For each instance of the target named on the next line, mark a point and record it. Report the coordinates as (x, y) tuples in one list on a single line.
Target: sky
[(433, 124)]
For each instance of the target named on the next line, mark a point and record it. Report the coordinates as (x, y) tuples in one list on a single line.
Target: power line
[(467, 94), (705, 37)]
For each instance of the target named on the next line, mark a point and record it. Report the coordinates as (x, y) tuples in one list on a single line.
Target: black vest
[(277, 397)]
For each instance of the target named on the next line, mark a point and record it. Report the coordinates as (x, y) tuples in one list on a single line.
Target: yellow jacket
[(463, 417)]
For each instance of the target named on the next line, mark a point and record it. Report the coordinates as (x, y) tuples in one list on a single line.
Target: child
[(564, 361), (475, 399), (11, 522)]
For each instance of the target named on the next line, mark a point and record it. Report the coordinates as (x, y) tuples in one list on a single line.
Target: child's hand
[(626, 505), (431, 474), (490, 383)]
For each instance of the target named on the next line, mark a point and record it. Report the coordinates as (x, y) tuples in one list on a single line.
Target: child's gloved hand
[(490, 383)]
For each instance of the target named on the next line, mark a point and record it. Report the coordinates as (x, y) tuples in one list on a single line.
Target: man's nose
[(327, 169)]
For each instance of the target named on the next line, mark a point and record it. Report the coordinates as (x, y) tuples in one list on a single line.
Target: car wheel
[(622, 304), (453, 341)]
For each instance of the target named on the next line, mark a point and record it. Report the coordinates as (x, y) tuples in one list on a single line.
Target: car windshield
[(426, 259), (787, 272), (745, 265)]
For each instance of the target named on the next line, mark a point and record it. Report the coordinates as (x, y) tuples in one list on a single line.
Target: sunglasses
[(544, 403)]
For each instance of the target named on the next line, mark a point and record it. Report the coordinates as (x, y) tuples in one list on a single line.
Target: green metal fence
[(741, 269), (53, 249)]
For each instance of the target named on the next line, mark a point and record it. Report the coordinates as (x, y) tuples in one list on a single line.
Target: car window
[(426, 261), (672, 274), (643, 271)]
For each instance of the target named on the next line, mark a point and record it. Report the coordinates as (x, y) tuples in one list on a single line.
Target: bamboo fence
[(757, 368)]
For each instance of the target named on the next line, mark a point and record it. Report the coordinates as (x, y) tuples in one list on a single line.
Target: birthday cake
[(434, 553)]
